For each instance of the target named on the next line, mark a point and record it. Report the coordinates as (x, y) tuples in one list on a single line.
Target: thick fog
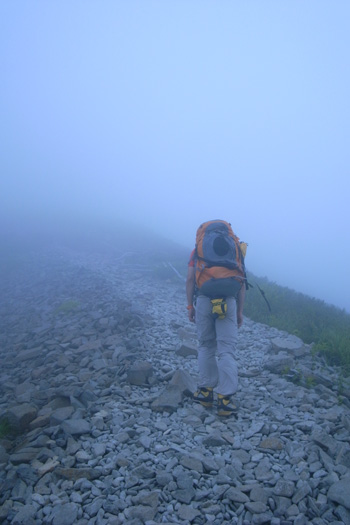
[(168, 114)]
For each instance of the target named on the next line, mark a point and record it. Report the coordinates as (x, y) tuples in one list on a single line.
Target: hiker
[(215, 288)]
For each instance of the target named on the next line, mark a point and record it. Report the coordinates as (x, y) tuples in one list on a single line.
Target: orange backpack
[(219, 260)]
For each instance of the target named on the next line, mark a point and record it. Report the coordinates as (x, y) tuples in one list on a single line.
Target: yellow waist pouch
[(219, 308)]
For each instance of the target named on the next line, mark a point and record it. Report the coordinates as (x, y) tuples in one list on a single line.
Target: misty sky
[(171, 113)]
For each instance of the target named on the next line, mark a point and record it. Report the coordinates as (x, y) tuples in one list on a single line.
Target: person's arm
[(190, 285), (240, 304)]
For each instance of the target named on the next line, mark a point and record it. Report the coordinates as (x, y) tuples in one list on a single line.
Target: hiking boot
[(204, 396), (226, 407)]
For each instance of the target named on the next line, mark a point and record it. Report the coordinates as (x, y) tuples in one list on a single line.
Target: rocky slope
[(98, 362)]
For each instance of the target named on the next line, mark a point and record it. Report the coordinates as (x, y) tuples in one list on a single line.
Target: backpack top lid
[(215, 225), (216, 244)]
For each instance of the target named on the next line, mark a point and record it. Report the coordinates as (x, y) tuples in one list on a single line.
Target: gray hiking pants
[(217, 341)]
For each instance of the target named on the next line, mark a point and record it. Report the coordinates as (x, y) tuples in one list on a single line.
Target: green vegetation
[(67, 307), (312, 320), (5, 428)]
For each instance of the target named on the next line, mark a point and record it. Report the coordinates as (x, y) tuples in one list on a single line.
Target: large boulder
[(184, 381), (292, 345)]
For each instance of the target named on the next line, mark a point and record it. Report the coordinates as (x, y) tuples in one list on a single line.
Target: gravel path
[(98, 362)]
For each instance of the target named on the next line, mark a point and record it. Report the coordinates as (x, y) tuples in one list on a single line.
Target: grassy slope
[(312, 320)]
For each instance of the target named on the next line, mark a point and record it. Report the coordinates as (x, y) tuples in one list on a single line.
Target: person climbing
[(215, 289)]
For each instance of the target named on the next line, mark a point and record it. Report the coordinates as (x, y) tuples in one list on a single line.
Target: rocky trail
[(98, 363)]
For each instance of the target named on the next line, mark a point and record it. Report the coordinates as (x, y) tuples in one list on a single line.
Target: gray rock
[(327, 442), (292, 345), (188, 513), (184, 495), (339, 493), (143, 472), (343, 514), (3, 455), (254, 429), (187, 350), (163, 478), (65, 514), (168, 400), (5, 510), (60, 415), (271, 443), (24, 455), (284, 488), (301, 493), (140, 373), (280, 363), (93, 507), (256, 507), (77, 473), (184, 381), (184, 481), (236, 495), (258, 493), (25, 515), (214, 440), (343, 455), (20, 416), (192, 463), (146, 497), (76, 427), (143, 513)]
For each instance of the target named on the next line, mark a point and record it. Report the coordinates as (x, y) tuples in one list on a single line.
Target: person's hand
[(191, 314), (239, 319)]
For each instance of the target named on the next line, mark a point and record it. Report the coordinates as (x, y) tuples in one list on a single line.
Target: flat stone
[(184, 495), (139, 373), (184, 381), (76, 427), (284, 488), (65, 514), (214, 440), (280, 363), (141, 512), (187, 350), (192, 463), (327, 442), (31, 354), (340, 493), (61, 414), (3, 455), (25, 455), (256, 507), (301, 493), (254, 429), (25, 515), (293, 345), (168, 400), (188, 513), (236, 495), (271, 443), (77, 473), (20, 416)]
